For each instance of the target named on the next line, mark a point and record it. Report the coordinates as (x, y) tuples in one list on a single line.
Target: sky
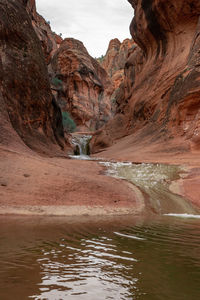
[(94, 22)]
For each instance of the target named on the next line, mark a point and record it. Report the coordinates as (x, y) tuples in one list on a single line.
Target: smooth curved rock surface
[(160, 103)]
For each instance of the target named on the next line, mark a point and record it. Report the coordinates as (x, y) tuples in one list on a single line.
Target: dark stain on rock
[(57, 124), (181, 86), (155, 116), (143, 111), (154, 27), (27, 175), (165, 93), (135, 33)]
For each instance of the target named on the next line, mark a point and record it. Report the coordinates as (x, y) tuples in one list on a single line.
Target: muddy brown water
[(99, 258), (149, 257)]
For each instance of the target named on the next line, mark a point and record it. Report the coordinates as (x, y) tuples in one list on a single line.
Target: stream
[(155, 256), (154, 181)]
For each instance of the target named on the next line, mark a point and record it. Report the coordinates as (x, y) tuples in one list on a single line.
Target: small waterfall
[(81, 145)]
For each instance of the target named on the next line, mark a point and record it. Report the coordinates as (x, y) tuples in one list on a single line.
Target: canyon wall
[(114, 60), (30, 105), (160, 100), (81, 86), (49, 40), (29, 114)]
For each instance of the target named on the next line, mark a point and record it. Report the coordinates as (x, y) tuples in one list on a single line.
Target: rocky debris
[(160, 101), (28, 112), (81, 86)]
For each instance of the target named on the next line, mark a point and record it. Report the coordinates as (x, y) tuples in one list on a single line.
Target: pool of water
[(100, 258)]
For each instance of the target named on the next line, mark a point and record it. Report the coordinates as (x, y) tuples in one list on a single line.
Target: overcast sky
[(94, 22)]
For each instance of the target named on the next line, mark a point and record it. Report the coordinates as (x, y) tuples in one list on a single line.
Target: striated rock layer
[(160, 100), (28, 111), (81, 85)]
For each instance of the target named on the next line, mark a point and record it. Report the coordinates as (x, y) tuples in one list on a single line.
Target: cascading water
[(154, 180), (81, 146)]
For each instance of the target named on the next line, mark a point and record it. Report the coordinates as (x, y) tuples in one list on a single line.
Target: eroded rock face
[(161, 99), (28, 111), (114, 62), (115, 59), (50, 41), (81, 85)]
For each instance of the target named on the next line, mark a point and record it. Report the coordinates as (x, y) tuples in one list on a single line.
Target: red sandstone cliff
[(114, 62), (82, 87), (29, 117), (115, 59), (86, 98), (50, 41), (28, 112), (160, 102)]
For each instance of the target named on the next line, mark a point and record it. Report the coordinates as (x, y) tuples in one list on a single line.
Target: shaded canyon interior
[(141, 101)]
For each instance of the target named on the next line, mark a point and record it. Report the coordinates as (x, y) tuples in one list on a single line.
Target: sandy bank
[(59, 186)]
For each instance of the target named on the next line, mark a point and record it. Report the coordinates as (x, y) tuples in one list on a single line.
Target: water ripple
[(142, 261)]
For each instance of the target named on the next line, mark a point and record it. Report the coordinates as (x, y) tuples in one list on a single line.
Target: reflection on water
[(113, 258)]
